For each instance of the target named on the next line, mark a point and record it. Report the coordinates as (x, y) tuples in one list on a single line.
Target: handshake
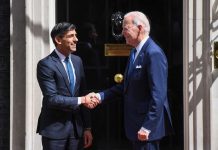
[(91, 100)]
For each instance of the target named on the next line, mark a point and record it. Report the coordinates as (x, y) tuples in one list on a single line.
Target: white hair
[(139, 18)]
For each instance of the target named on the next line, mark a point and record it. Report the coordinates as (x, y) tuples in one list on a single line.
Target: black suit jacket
[(60, 114)]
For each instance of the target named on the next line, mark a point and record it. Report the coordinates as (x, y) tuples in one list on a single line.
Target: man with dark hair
[(64, 120)]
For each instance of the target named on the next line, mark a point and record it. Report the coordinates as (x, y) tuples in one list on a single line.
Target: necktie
[(70, 73), (131, 61)]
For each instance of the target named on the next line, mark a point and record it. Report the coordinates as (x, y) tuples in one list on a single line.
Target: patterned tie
[(131, 61), (70, 72)]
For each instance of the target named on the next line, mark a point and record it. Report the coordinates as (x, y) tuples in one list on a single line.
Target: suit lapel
[(143, 51), (77, 74), (61, 69), (137, 61), (128, 76), (127, 68)]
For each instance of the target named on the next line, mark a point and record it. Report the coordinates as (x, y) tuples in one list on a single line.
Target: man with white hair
[(147, 117)]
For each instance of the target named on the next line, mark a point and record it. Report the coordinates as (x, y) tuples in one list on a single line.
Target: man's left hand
[(143, 135), (87, 138)]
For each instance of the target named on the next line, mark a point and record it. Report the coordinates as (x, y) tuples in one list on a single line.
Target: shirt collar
[(60, 55), (140, 45)]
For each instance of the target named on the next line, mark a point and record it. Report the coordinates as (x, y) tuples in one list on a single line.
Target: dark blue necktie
[(131, 61), (70, 72)]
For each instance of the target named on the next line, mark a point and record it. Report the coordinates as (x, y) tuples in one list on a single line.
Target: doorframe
[(197, 54)]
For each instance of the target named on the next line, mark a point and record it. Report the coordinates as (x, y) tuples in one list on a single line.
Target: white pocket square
[(138, 67)]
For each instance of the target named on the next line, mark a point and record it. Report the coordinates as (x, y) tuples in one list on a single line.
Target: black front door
[(93, 21)]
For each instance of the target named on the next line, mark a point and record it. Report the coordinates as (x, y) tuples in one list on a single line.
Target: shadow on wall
[(199, 73)]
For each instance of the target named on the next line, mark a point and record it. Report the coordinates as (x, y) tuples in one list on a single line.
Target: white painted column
[(17, 75), (40, 16), (200, 125), (214, 85), (31, 22)]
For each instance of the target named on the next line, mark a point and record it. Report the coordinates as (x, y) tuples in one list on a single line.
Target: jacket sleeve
[(113, 92)]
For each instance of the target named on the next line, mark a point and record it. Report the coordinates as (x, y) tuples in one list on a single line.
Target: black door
[(93, 21)]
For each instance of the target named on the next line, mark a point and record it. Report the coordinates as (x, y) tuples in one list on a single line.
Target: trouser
[(70, 143)]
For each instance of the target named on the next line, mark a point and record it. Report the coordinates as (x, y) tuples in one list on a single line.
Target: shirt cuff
[(145, 130), (88, 129), (79, 101), (100, 96)]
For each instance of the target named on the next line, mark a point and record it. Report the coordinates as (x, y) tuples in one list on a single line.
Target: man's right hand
[(90, 100)]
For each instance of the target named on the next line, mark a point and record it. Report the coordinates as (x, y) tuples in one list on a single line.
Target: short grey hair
[(139, 18)]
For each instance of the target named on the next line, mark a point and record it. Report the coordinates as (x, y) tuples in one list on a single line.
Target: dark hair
[(60, 29)]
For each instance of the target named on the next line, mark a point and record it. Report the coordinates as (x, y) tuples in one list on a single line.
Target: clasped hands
[(90, 100)]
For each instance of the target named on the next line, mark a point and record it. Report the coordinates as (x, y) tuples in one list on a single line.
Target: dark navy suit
[(61, 116), (145, 94)]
